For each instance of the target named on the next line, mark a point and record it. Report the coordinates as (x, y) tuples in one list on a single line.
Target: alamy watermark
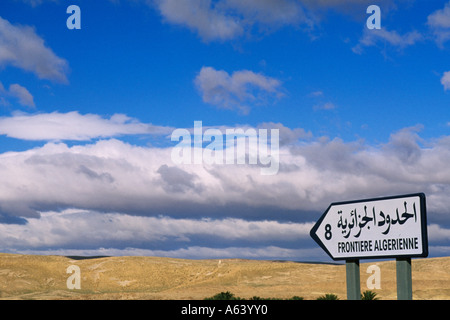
[(374, 280), (237, 146), (74, 280), (374, 21), (74, 20)]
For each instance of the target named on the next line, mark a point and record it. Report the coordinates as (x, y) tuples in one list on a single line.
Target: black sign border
[(423, 218)]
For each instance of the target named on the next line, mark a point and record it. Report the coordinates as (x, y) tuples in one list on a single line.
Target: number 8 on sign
[(328, 232)]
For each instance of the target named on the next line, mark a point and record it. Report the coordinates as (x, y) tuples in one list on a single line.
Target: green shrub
[(369, 295), (223, 296), (328, 296)]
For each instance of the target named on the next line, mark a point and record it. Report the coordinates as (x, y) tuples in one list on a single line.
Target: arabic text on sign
[(356, 223)]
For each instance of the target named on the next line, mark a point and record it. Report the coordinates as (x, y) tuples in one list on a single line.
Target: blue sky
[(86, 117)]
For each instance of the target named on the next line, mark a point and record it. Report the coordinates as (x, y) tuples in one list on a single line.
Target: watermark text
[(236, 146)]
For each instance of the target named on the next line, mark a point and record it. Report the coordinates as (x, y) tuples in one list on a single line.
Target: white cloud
[(15, 90), (440, 18), (21, 93), (73, 126), (325, 106), (240, 90), (21, 47), (202, 17), (117, 177), (439, 23), (229, 19), (317, 93), (347, 6), (445, 80), (373, 37), (287, 135), (84, 232), (438, 233), (270, 12), (55, 229)]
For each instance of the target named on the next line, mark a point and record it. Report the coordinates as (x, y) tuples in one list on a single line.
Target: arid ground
[(45, 277)]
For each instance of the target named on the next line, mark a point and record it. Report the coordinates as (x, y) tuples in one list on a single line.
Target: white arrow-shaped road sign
[(374, 228)]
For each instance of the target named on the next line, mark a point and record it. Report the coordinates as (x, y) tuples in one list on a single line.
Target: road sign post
[(389, 227), (353, 280), (404, 279)]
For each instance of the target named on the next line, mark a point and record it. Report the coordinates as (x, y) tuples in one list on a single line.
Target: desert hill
[(152, 278)]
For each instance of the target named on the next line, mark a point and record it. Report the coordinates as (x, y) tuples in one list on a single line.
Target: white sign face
[(376, 228)]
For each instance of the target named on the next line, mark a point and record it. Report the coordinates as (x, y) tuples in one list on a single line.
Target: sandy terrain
[(45, 277)]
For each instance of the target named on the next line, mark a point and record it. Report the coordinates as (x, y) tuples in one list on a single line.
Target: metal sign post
[(404, 279), (389, 227), (353, 280)]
